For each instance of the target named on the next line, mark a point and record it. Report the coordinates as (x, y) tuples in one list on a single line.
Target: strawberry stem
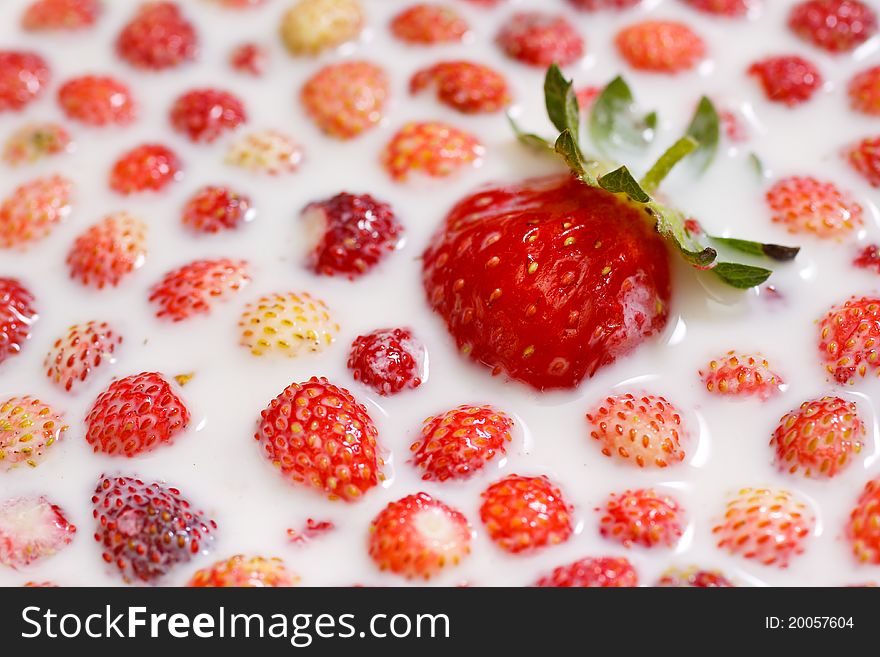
[(664, 164)]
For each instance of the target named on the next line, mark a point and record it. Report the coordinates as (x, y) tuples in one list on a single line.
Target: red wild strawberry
[(727, 8), (741, 375), (432, 148), (848, 339), (660, 46), (642, 517), (215, 209), (195, 287), (346, 99), (312, 529), (352, 234), (733, 127), (244, 572), (865, 159), (833, 25), (23, 78), (464, 86), (586, 96), (31, 529), (601, 572), (149, 167), (523, 514), (769, 526), (863, 528), (240, 4), (17, 313), (646, 431), (266, 151), (40, 585), (540, 39), (28, 428), (864, 91), (418, 536), (868, 258), (33, 210), (287, 324), (158, 37), (804, 204), (60, 15), (694, 578), (249, 58), (426, 24), (387, 360), (97, 100), (146, 530), (35, 141), (319, 435), (82, 350), (593, 288), (204, 115), (787, 79), (459, 443), (597, 5), (108, 251), (310, 27)]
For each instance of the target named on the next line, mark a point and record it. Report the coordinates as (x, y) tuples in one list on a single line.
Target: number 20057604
[(808, 622)]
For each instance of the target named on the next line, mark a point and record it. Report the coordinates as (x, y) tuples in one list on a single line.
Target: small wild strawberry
[(83, 349), (741, 375), (148, 167), (597, 5), (158, 37), (249, 58), (660, 46), (46, 15), (17, 313), (864, 157), (864, 91), (347, 98), (35, 141), (195, 287), (427, 24), (833, 25), (108, 251), (863, 528), (31, 529), (267, 151), (97, 100), (804, 204), (215, 209), (431, 148), (310, 27), (287, 325), (694, 578), (788, 79), (642, 517), (204, 115), (28, 429), (601, 572), (726, 8), (465, 86), (33, 209), (848, 339), (540, 39), (244, 572), (23, 78), (387, 360)]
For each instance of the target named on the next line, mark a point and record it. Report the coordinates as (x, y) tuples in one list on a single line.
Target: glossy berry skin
[(427, 24), (418, 537), (204, 115), (660, 46), (17, 313), (82, 350), (540, 39), (317, 434), (789, 79), (346, 99), (804, 204), (387, 360), (57, 15), (465, 86), (642, 517), (431, 148), (524, 514), (28, 429), (694, 578), (459, 443), (848, 339), (355, 232), (32, 529), (287, 324), (35, 141), (136, 415), (741, 375), (158, 37), (726, 8), (146, 530), (603, 572), (310, 27), (24, 76), (108, 251), (33, 210), (547, 280), (864, 91), (195, 287), (868, 258), (833, 25), (148, 167), (863, 527), (864, 157), (97, 101), (216, 209), (244, 572)]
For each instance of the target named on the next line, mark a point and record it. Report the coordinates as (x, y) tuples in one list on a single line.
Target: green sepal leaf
[(568, 149), (614, 122), (757, 164), (527, 138), (621, 181), (776, 252), (664, 164), (741, 276), (705, 129), (561, 102), (672, 226)]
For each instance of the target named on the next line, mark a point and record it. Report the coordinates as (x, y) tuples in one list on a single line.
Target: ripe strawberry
[(196, 286), (522, 514), (818, 438), (727, 8), (868, 258), (108, 251), (35, 141), (83, 349), (146, 530), (592, 572), (33, 209), (267, 151), (586, 96), (387, 360), (741, 375), (596, 284), (807, 205), (597, 5), (540, 39), (459, 443), (310, 27), (346, 99), (158, 37), (204, 115), (352, 234), (31, 529), (215, 209), (17, 313), (848, 339), (149, 167), (418, 536), (863, 528), (660, 46), (97, 100), (249, 58), (865, 159), (40, 585), (787, 79), (646, 431), (770, 526), (464, 86), (244, 572), (432, 148), (642, 517), (312, 529), (23, 78), (864, 91), (319, 435), (427, 24), (833, 25), (694, 578), (28, 428), (287, 324), (43, 15)]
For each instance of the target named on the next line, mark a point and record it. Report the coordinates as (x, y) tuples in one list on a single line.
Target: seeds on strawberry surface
[(249, 58), (387, 360), (317, 434), (287, 324), (244, 572), (741, 375), (33, 210), (804, 204), (540, 39), (310, 27), (97, 100), (49, 15), (82, 350), (28, 428), (346, 99), (863, 527), (108, 251), (158, 37), (642, 517), (601, 572), (23, 78), (864, 157), (215, 209), (660, 46), (868, 258), (34, 141), (788, 79), (459, 443), (432, 148), (833, 25), (196, 287), (848, 339), (694, 578), (17, 313), (268, 151), (465, 86), (427, 24), (727, 8), (31, 529), (864, 91), (148, 167), (204, 115)]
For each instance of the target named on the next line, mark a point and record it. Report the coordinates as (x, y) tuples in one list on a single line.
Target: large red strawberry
[(804, 204), (145, 530), (660, 46), (43, 15), (427, 24), (97, 100), (387, 360), (195, 287), (158, 37), (863, 528), (603, 572), (23, 78), (148, 167), (17, 313), (244, 572), (741, 375), (319, 435), (540, 39), (33, 209), (204, 115), (465, 86), (347, 98), (215, 209), (833, 25), (108, 251), (864, 91), (136, 415), (418, 536), (28, 429), (547, 280), (787, 79), (848, 339), (31, 529), (642, 517), (83, 349), (865, 159)]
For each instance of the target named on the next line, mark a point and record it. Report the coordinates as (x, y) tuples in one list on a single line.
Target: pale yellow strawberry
[(28, 428), (287, 324)]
